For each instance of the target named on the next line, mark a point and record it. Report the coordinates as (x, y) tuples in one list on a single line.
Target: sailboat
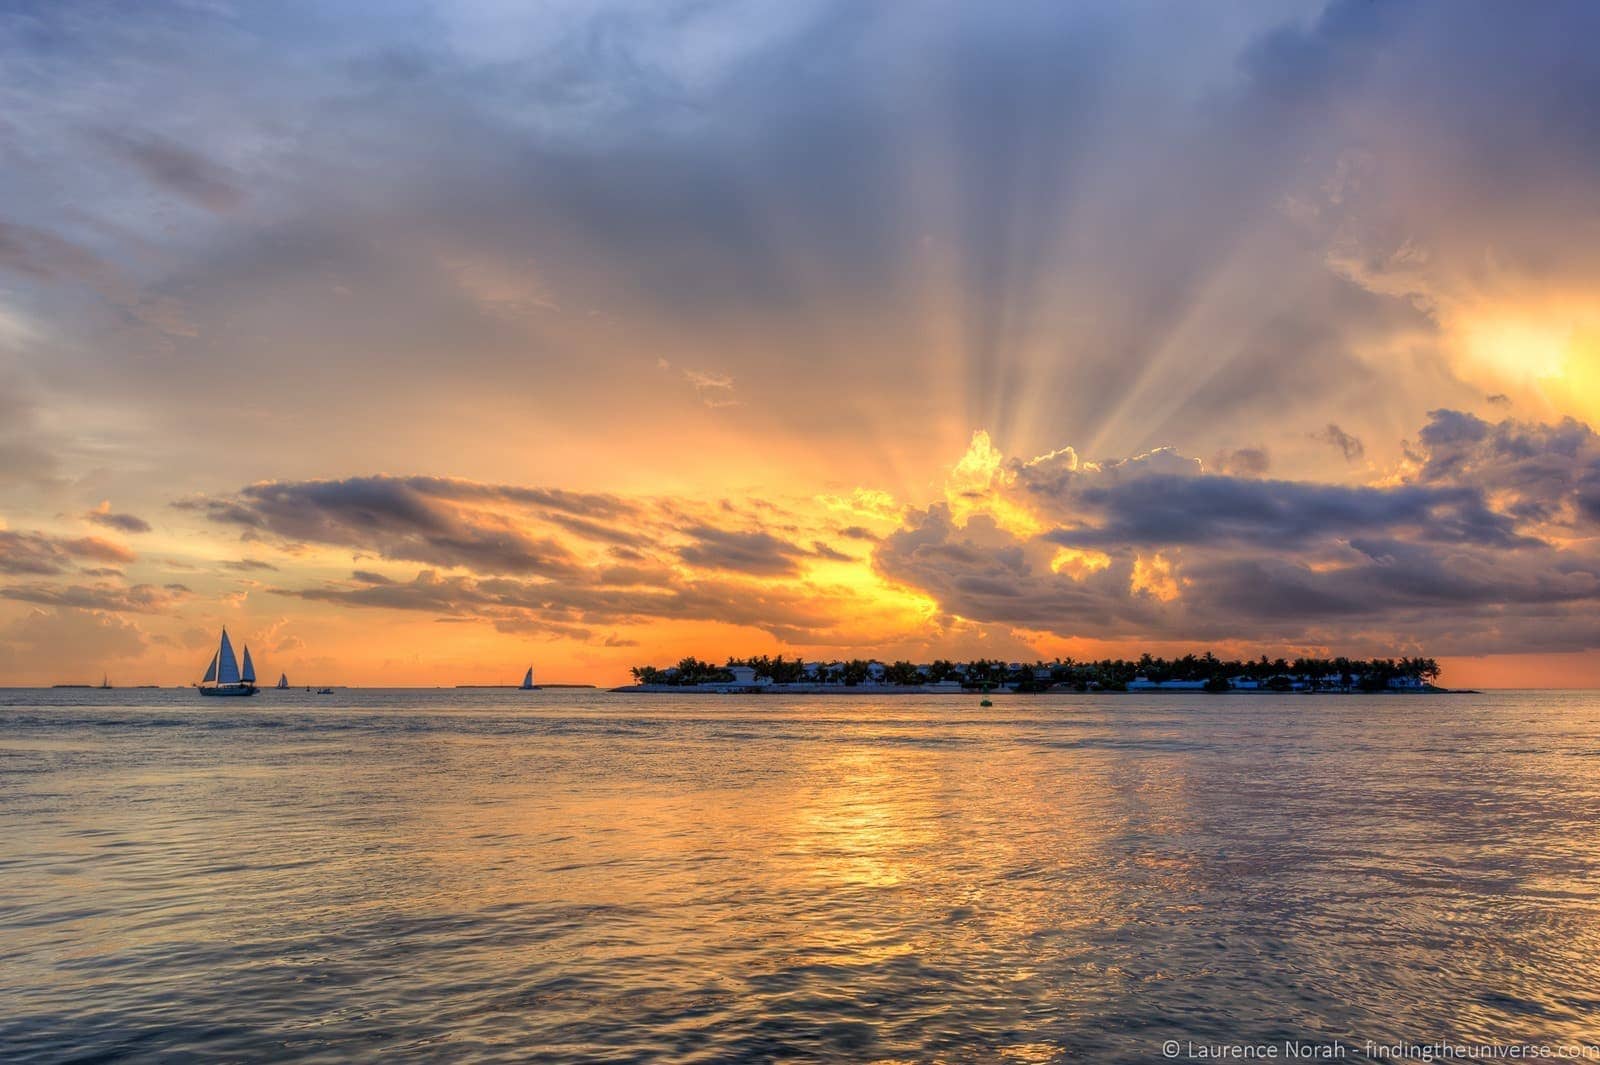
[(105, 682), (283, 681), (223, 676), (527, 681)]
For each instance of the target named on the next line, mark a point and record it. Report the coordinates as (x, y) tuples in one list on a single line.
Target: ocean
[(582, 876)]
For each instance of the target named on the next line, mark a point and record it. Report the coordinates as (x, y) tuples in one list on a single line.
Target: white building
[(1145, 684), (745, 677)]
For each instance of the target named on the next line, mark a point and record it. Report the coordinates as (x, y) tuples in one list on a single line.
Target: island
[(1204, 673)]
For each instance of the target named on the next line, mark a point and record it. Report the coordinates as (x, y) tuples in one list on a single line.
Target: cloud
[(540, 560), (128, 523), (1243, 462), (1347, 445), (757, 553), (54, 645), (137, 599), (1275, 515), (715, 390), (248, 565), (782, 609), (1486, 540), (174, 168), (43, 553), (411, 519)]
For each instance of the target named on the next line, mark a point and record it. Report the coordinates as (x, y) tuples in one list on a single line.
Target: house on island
[(745, 677), (1143, 683)]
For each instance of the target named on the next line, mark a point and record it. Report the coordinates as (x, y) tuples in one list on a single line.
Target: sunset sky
[(418, 343)]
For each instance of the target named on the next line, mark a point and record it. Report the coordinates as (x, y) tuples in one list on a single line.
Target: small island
[(1204, 673)]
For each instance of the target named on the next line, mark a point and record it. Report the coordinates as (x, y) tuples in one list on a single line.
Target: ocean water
[(580, 876)]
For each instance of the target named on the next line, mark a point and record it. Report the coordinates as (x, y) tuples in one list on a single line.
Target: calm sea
[(503, 876)]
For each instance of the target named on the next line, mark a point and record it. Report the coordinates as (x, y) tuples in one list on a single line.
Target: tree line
[(1114, 674)]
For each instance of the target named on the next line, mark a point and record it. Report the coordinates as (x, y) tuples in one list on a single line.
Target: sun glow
[(1079, 563), (977, 485), (1550, 351), (1154, 575)]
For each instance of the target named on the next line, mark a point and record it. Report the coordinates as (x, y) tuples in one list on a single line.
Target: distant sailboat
[(105, 682), (527, 681), (283, 681), (223, 676)]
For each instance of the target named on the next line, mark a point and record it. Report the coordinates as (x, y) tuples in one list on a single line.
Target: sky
[(420, 342)]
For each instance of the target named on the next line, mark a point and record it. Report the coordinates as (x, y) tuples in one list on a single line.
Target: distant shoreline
[(907, 689), (520, 688)]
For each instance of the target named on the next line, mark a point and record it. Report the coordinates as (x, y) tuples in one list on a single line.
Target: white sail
[(249, 674), (283, 680), (227, 664), (527, 681), (211, 670)]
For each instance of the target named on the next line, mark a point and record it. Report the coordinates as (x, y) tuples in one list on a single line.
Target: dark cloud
[(1277, 515), (757, 553), (1243, 462), (606, 561), (1347, 445), (128, 523), (248, 565), (411, 519), (1540, 472), (822, 550), (1487, 541), (174, 168), (137, 599), (531, 605), (42, 553)]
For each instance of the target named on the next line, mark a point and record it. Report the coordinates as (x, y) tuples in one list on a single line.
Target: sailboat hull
[(230, 690)]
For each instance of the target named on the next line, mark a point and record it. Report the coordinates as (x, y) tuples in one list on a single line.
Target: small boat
[(527, 682), (283, 681), (223, 675), (105, 682), (324, 691)]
